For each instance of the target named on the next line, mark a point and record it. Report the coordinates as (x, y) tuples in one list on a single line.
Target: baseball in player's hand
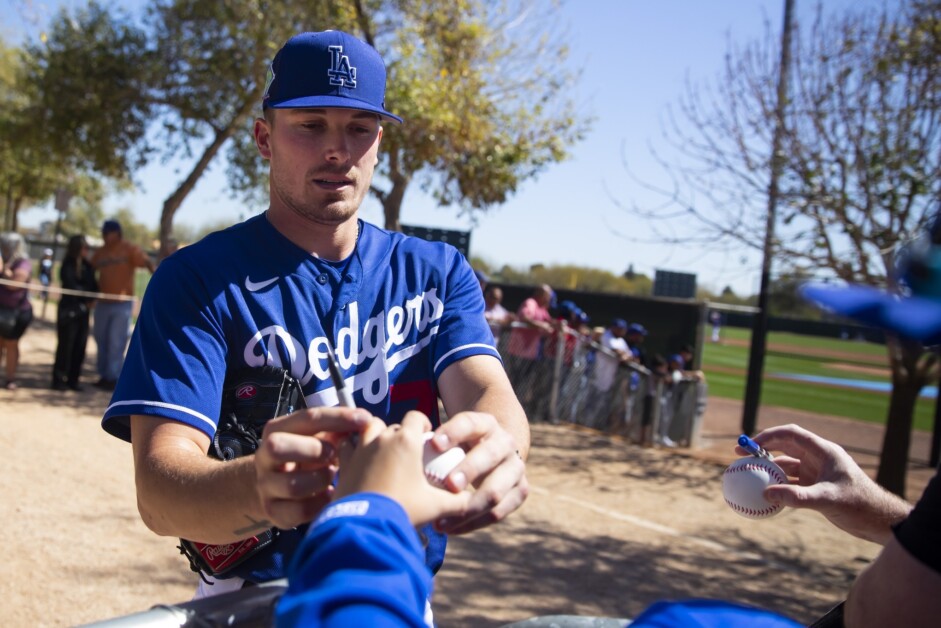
[(830, 482), (296, 462), (388, 460), (492, 466)]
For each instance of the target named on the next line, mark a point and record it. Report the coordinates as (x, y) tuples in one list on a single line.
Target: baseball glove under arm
[(250, 398)]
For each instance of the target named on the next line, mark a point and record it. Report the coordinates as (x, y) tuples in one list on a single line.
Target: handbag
[(8, 319)]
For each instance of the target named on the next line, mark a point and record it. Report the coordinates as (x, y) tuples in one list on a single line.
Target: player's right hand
[(296, 462)]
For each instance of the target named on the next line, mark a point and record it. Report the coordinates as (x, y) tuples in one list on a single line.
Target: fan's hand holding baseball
[(388, 460), (830, 482), (295, 463), (492, 466)]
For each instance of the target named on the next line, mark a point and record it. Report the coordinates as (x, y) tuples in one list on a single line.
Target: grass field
[(725, 365)]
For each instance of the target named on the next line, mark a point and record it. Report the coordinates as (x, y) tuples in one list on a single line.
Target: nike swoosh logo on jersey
[(253, 286)]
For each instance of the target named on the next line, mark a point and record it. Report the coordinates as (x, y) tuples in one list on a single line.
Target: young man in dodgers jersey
[(405, 316)]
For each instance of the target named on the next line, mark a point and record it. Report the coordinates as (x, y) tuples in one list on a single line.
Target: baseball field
[(608, 529), (831, 376)]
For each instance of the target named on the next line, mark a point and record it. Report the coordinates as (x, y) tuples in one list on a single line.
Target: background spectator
[(76, 273), (671, 379), (116, 262), (526, 348), (605, 403), (14, 266), (498, 317), (45, 273), (715, 318), (636, 334)]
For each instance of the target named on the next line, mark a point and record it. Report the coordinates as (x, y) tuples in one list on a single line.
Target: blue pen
[(753, 448)]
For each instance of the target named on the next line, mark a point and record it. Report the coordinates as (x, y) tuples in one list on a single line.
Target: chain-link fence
[(567, 377)]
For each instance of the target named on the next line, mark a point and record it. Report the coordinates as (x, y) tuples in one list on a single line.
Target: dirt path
[(609, 528)]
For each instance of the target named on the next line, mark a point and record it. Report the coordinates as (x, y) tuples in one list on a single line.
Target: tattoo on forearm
[(254, 526)]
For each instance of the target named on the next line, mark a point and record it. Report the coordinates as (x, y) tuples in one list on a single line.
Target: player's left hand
[(493, 468)]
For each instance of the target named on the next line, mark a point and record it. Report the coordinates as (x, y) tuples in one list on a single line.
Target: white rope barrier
[(38, 287)]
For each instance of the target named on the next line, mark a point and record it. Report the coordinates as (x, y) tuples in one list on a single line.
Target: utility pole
[(759, 335)]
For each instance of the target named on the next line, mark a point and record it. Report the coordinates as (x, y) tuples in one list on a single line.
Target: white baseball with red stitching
[(438, 466), (744, 482)]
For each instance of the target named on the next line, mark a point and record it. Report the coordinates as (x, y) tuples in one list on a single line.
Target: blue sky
[(636, 56)]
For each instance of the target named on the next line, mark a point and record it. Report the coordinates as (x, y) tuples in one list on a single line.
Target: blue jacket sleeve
[(361, 564)]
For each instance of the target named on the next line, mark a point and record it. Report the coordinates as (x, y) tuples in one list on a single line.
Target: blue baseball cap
[(915, 315), (619, 323), (481, 276), (111, 225), (637, 328), (327, 69)]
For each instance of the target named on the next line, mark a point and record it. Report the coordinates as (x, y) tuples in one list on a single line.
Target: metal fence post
[(553, 413)]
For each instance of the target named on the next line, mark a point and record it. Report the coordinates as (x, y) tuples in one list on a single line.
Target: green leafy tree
[(62, 120), (727, 296), (118, 94), (483, 90), (484, 97), (861, 165), (29, 170), (86, 215), (569, 277), (214, 57), (86, 212)]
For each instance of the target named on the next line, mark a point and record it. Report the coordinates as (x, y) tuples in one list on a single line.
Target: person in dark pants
[(76, 273)]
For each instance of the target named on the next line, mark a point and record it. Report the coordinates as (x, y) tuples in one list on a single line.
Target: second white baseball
[(745, 480), (439, 465)]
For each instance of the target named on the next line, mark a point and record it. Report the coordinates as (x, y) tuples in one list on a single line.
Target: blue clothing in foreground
[(361, 564), (709, 614)]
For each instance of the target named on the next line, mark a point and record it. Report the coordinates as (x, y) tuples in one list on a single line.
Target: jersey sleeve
[(361, 564), (176, 361), (463, 330)]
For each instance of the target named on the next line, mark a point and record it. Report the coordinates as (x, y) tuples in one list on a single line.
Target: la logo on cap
[(316, 71), (341, 73)]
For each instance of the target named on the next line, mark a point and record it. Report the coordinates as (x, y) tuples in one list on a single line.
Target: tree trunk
[(392, 202), (173, 202), (908, 378), (15, 215), (8, 214)]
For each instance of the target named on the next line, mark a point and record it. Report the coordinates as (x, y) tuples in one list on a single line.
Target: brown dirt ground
[(608, 529), (883, 371)]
